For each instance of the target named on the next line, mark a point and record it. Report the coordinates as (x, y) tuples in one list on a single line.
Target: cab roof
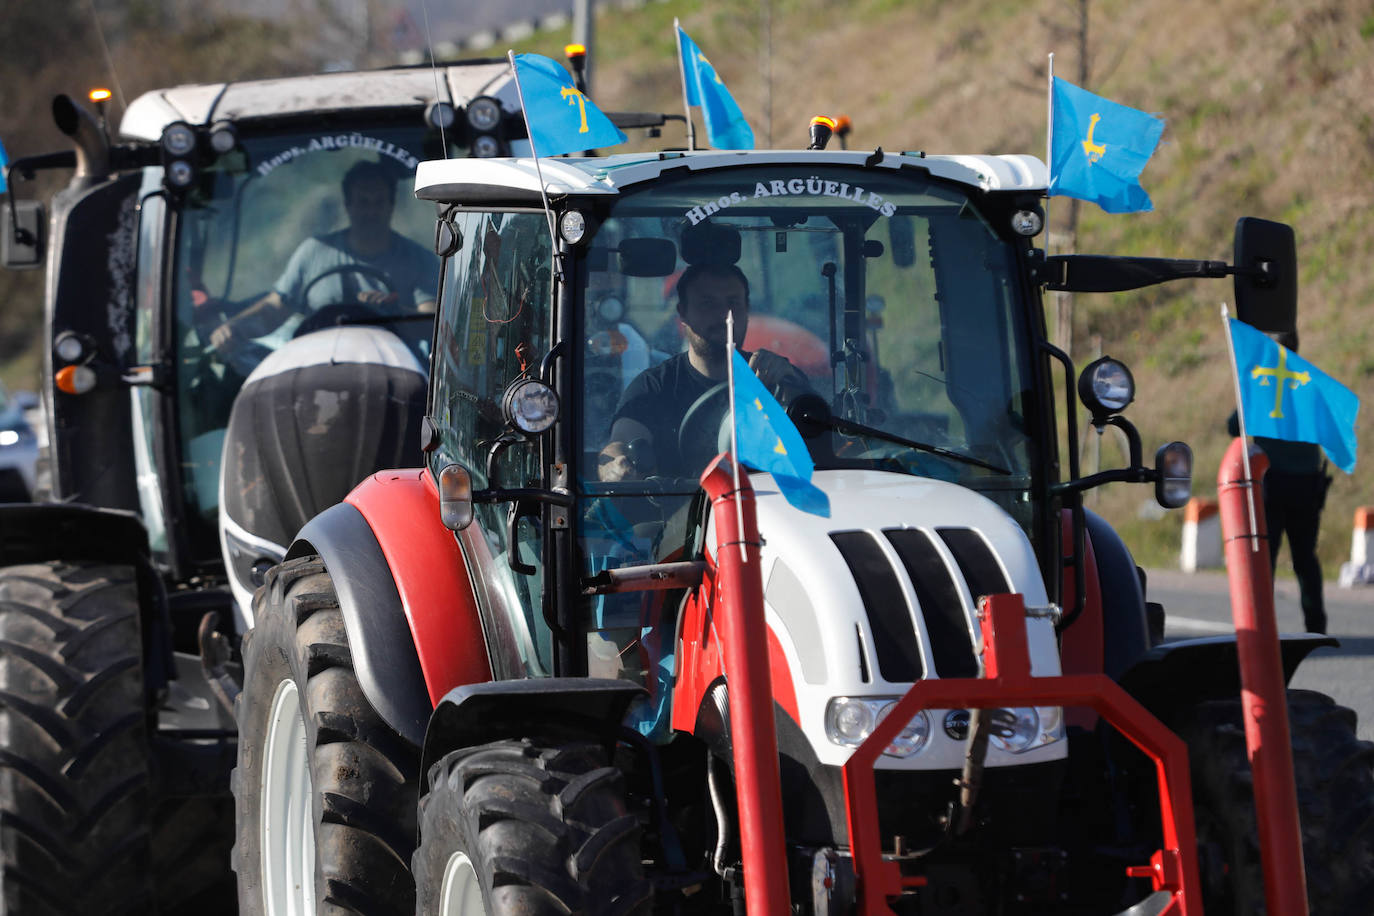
[(515, 182), (303, 96)]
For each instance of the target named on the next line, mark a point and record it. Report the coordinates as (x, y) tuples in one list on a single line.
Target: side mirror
[(1266, 268), (23, 235), (26, 400), (1174, 467)]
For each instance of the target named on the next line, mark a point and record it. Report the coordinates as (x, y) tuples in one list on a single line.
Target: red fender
[(701, 663), (402, 508)]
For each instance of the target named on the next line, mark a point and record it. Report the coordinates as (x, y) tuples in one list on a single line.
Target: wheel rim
[(461, 894), (287, 840)]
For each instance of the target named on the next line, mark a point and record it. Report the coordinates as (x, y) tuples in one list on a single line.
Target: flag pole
[(1240, 423), (1049, 149), (686, 108), (539, 173), (734, 428)]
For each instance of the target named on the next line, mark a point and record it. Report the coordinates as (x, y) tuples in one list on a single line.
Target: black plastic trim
[(379, 637), (477, 713), (894, 636), (1125, 627), (1176, 675), (951, 644), (74, 532)]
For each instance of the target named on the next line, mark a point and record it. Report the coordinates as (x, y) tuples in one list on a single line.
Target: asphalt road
[(1199, 604)]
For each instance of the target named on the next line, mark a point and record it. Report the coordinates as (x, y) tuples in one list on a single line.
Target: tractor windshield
[(287, 233), (880, 306), (882, 309)]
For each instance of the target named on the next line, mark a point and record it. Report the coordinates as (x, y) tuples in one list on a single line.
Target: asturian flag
[(561, 119), (767, 439), (725, 124), (1286, 397), (1098, 148)]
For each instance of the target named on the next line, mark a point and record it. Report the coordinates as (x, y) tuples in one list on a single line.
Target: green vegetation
[(1266, 108)]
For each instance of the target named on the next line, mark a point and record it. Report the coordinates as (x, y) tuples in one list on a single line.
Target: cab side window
[(495, 323)]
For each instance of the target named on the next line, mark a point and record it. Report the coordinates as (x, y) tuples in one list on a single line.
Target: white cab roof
[(515, 181), (301, 96)]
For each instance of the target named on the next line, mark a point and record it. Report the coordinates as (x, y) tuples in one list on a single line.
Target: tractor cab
[(891, 299)]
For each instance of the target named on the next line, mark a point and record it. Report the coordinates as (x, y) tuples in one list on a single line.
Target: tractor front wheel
[(325, 790), (1334, 773), (535, 828)]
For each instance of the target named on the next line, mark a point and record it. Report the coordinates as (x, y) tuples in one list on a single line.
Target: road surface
[(1199, 604)]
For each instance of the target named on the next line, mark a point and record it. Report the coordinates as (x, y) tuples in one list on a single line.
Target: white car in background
[(18, 446)]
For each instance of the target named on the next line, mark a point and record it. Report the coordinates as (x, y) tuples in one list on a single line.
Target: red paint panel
[(402, 508), (784, 694)]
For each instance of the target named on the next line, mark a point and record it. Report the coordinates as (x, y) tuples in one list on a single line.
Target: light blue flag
[(1286, 397), (725, 124), (4, 167), (1098, 148), (561, 119), (769, 441)]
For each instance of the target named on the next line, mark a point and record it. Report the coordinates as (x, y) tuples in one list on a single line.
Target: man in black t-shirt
[(646, 424)]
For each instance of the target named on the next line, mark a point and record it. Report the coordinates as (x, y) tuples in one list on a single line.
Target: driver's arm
[(265, 313), (637, 462)]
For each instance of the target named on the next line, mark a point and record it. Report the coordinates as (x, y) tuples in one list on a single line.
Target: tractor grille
[(894, 638), (950, 642), (937, 591)]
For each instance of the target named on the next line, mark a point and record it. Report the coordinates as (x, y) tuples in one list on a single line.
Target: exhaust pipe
[(92, 146)]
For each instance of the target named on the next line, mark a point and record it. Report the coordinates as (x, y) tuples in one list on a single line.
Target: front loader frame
[(1008, 681)]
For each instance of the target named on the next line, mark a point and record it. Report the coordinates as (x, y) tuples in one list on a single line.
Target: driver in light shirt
[(394, 275)]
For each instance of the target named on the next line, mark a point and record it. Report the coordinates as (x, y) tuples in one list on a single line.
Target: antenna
[(434, 68), (105, 48)]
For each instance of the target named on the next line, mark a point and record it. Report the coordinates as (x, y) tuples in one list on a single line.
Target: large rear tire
[(74, 770), (1334, 773), (528, 828), (325, 791)]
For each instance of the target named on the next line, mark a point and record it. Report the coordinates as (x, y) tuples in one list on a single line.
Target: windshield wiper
[(814, 411)]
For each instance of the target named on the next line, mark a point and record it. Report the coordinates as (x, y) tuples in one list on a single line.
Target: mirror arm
[(1116, 475)]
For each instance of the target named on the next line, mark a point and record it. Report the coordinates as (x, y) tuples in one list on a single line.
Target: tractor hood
[(884, 593)]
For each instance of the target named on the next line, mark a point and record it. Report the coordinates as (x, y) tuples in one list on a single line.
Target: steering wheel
[(337, 314), (366, 270), (699, 433)]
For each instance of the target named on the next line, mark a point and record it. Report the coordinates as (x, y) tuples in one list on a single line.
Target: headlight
[(440, 115), (1013, 730), (180, 174), (572, 225), (850, 720), (178, 139), (484, 113), (485, 146), (223, 137), (1106, 387), (8, 437), (530, 405)]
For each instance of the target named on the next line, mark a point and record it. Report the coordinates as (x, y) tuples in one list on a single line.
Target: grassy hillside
[(1267, 108), (1267, 113)]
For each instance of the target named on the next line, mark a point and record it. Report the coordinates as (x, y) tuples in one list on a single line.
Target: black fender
[(478, 713), (1125, 628), (78, 533), (379, 637), (1176, 675)]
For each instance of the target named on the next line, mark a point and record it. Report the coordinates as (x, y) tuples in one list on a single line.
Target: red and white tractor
[(502, 684)]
